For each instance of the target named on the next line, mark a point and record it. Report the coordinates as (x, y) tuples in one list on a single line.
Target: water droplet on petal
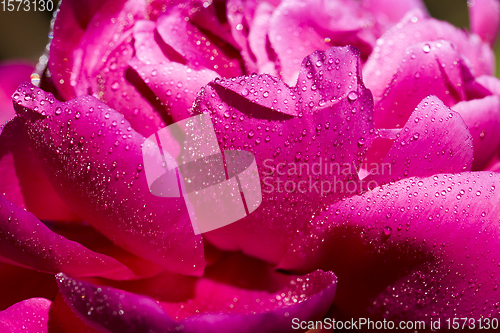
[(352, 96)]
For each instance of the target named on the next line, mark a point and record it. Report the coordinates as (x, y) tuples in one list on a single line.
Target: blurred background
[(23, 35)]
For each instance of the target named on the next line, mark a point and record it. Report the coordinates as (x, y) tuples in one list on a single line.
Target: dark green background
[(24, 34)]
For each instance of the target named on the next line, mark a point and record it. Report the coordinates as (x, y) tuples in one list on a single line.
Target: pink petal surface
[(240, 16), (491, 83), (425, 146), (429, 68), (30, 315), (27, 242), (105, 30), (258, 40), (69, 27), (18, 284), (249, 23), (62, 319), (294, 31), (482, 117), (11, 75), (196, 49), (95, 158), (146, 45), (236, 295), (383, 63), (175, 84), (93, 60), (423, 247), (24, 182), (9, 183), (389, 12), (119, 86), (485, 19), (308, 124), (87, 236)]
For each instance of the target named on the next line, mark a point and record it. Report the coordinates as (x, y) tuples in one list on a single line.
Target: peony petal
[(24, 182), (389, 12), (294, 31), (27, 242), (9, 183), (423, 247), (495, 166), (383, 63), (258, 40), (222, 303), (62, 319), (30, 315), (250, 26), (251, 113), (194, 47), (91, 239), (491, 83), (146, 46), (72, 19), (18, 284), (96, 162), (240, 16), (105, 30), (174, 84), (93, 60), (482, 116), (11, 76), (119, 86), (485, 19), (424, 147), (426, 69)]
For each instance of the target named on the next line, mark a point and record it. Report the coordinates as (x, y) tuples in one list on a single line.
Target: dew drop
[(352, 96)]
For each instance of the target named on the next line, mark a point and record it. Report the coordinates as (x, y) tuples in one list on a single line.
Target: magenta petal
[(297, 30), (106, 29), (426, 69), (485, 19), (424, 146), (258, 40), (215, 305), (490, 82), (119, 86), (384, 61), (194, 47), (9, 183), (73, 18), (423, 247), (250, 26), (482, 116), (307, 125), (23, 180), (146, 47), (327, 77), (174, 84), (11, 76), (389, 12), (31, 315), (95, 158), (27, 242)]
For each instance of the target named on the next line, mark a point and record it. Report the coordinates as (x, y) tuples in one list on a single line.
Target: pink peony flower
[(371, 124)]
